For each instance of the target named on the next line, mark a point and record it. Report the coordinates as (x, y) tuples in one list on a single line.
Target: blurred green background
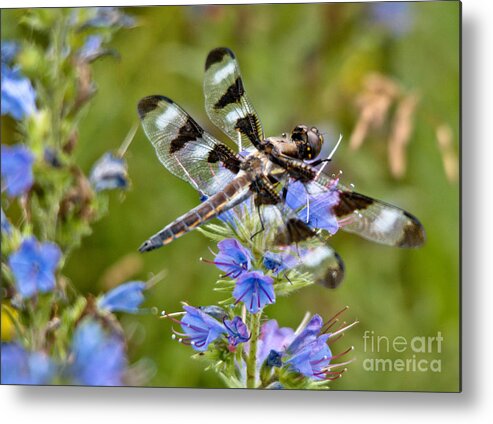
[(300, 64)]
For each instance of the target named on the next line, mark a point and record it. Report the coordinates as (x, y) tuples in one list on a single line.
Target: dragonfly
[(283, 172)]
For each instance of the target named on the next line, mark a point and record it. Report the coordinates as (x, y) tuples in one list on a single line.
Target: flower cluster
[(281, 357), (201, 328), (97, 358), (304, 352), (245, 352), (54, 335)]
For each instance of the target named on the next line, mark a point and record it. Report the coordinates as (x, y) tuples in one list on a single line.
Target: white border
[(77, 405)]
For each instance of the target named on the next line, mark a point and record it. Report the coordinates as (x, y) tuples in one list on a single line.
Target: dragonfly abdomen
[(231, 195)]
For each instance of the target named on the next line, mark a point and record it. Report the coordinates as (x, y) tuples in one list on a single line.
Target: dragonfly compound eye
[(309, 141), (315, 141)]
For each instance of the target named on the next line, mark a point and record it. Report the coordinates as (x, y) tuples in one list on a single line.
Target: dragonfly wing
[(226, 101), (184, 148)]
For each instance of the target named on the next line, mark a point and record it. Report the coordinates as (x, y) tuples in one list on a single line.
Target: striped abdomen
[(233, 194)]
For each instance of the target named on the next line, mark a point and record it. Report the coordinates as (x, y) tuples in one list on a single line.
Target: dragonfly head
[(308, 140)]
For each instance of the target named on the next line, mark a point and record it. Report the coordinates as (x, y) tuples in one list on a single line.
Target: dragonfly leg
[(262, 229)]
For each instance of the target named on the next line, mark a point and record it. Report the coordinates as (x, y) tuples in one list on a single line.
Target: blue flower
[(91, 48), (106, 17), (98, 358), (6, 226), (237, 214), (395, 16), (307, 335), (34, 265), (237, 331), (9, 51), (309, 353), (17, 94), (313, 359), (279, 262), (319, 214), (306, 353), (255, 290), (126, 297), (272, 262), (22, 367), (17, 169), (274, 359), (233, 258), (229, 217), (200, 329), (273, 338), (214, 311), (108, 173)]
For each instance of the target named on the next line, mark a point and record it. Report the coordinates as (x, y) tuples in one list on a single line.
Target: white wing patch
[(224, 72), (232, 116), (169, 115), (386, 220), (317, 256)]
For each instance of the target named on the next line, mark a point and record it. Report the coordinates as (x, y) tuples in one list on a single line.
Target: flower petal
[(108, 173), (17, 94), (233, 258), (126, 297), (255, 290), (99, 357), (17, 169), (200, 328)]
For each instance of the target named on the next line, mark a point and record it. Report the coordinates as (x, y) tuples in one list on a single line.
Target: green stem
[(252, 356)]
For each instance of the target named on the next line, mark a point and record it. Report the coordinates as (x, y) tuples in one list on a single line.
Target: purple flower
[(200, 329), (34, 265), (108, 173), (91, 49), (5, 223), (273, 338), (228, 217), (236, 214), (106, 17), (126, 297), (9, 51), (279, 262), (98, 357), (313, 360), (17, 93), (319, 214), (17, 169), (272, 262), (233, 258), (214, 311), (306, 353), (395, 16), (255, 290), (307, 335), (237, 331), (309, 353), (22, 367)]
